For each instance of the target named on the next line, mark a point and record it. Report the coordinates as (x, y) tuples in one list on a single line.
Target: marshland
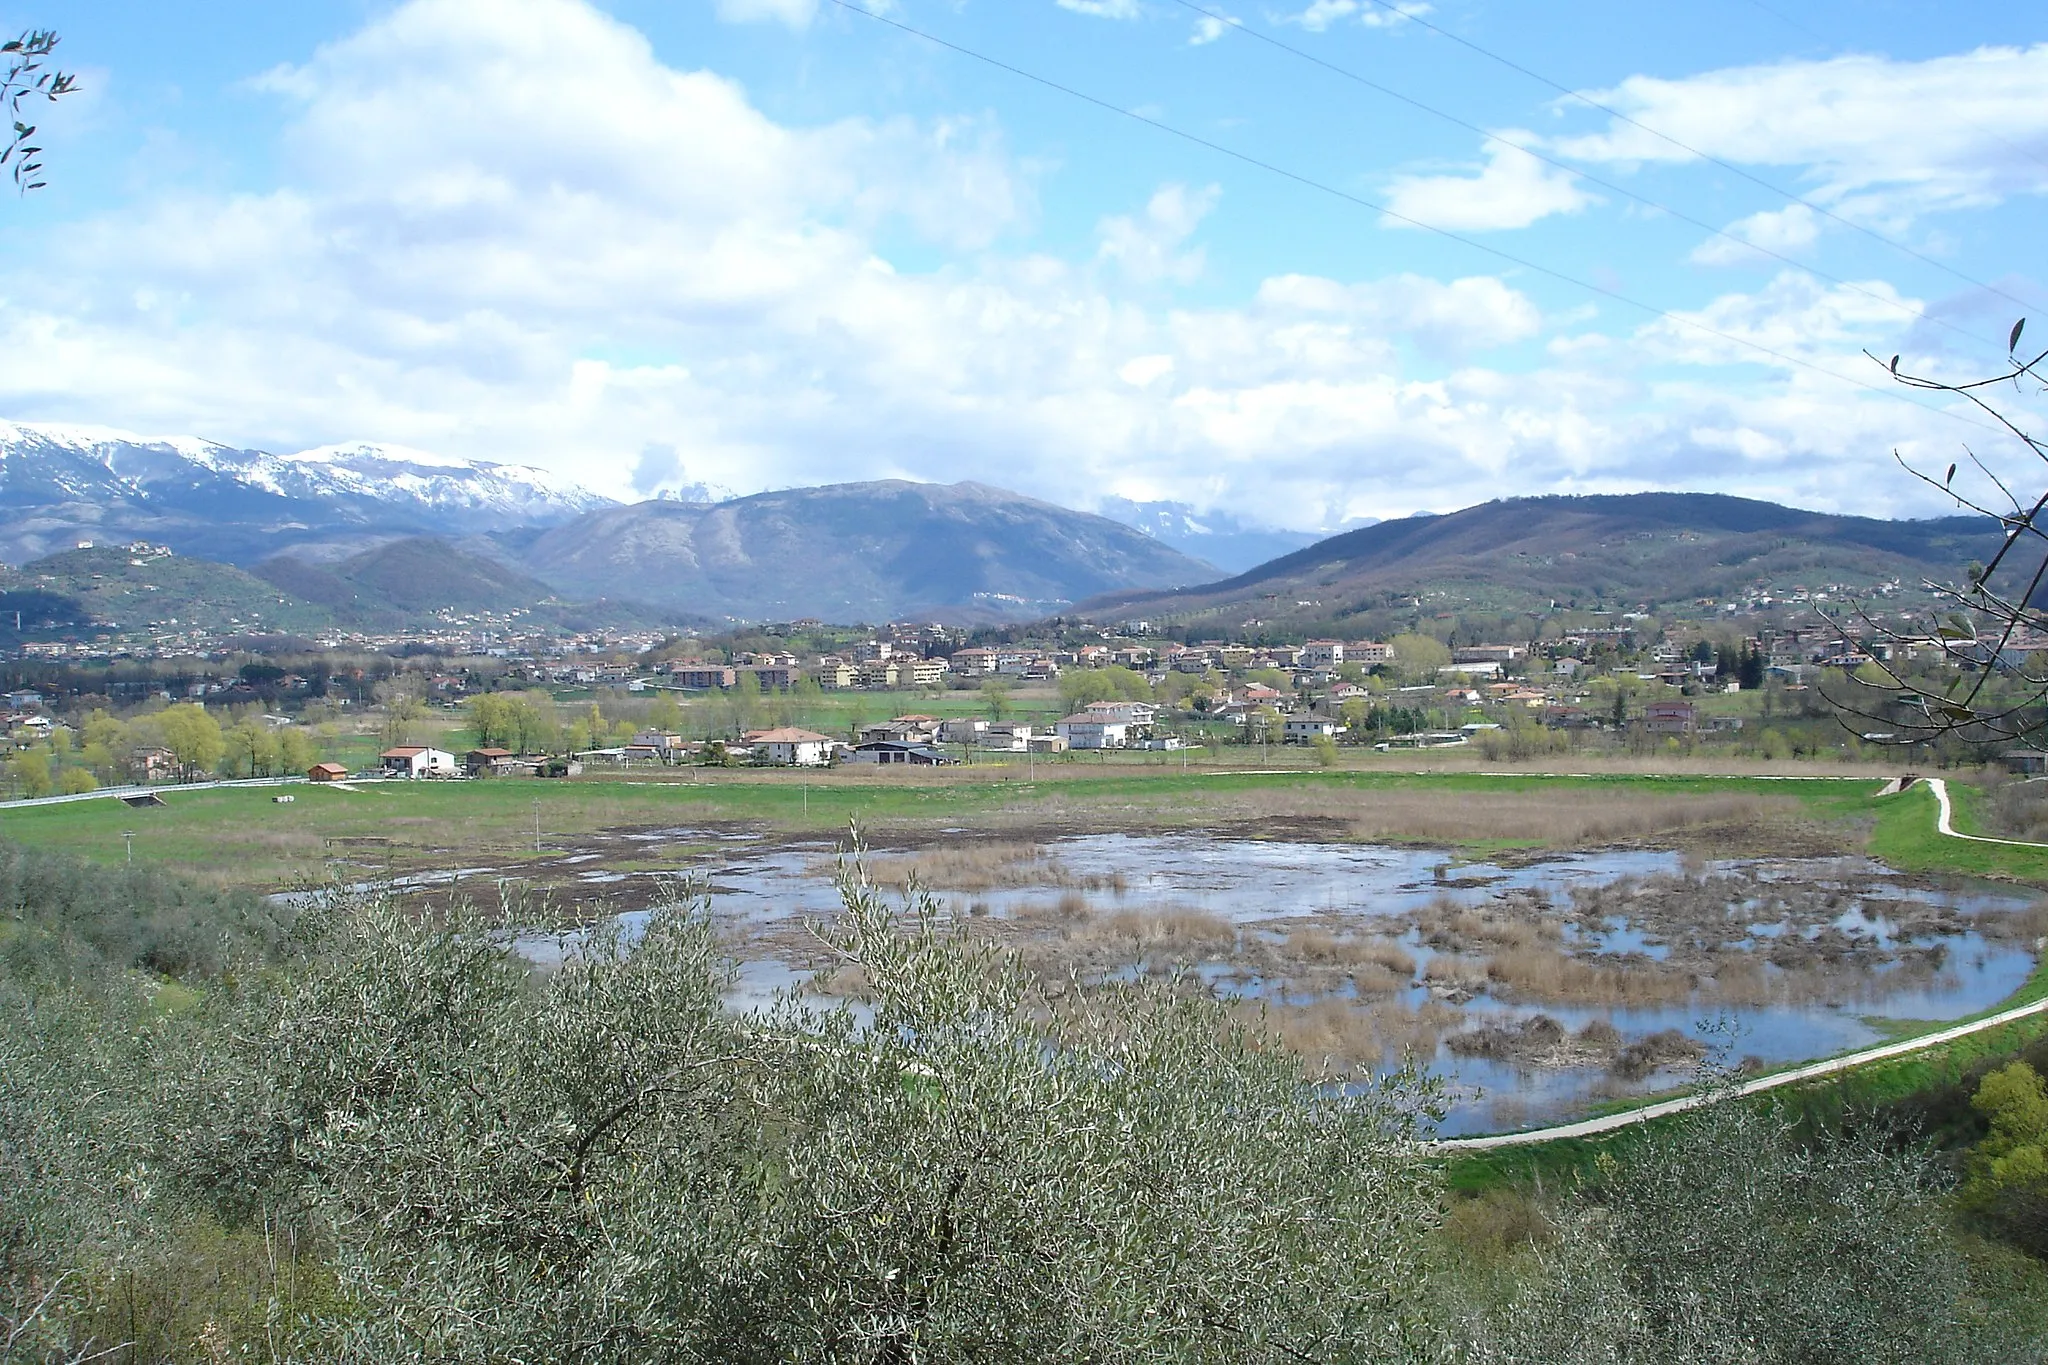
[(1595, 944)]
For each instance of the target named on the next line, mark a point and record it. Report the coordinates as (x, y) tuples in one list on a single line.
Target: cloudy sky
[(1428, 256)]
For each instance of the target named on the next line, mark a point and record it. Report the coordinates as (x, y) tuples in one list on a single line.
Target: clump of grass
[(1335, 1037), (1667, 1048), (1321, 947), (1498, 1223), (985, 865), (1550, 976), (1450, 972)]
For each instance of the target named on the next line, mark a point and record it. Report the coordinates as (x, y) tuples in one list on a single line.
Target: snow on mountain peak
[(399, 478), (366, 451)]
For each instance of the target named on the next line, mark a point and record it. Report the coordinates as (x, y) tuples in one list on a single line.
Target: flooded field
[(1535, 988)]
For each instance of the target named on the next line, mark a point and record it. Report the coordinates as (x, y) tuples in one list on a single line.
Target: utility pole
[(536, 824), (129, 835)]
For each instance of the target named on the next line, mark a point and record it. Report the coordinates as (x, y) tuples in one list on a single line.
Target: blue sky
[(760, 243)]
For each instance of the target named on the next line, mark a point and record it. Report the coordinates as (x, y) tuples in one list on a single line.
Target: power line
[(1915, 313), (1362, 202), (1690, 150)]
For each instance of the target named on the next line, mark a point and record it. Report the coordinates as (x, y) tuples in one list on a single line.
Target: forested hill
[(879, 551), (1624, 549)]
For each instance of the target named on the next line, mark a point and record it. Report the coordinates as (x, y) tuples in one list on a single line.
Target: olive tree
[(1733, 1237), (601, 1161), (27, 81), (978, 1169)]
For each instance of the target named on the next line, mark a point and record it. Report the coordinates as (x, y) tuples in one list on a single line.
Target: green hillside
[(118, 589), (419, 578)]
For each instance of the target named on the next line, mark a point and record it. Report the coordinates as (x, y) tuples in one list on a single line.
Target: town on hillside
[(803, 695)]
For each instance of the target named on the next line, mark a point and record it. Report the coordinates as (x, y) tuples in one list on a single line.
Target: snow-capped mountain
[(1218, 537), (62, 484)]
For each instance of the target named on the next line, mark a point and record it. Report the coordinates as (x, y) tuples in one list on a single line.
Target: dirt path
[(1608, 1123), (1944, 815)]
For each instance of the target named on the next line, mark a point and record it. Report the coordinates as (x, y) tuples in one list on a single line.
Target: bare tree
[(1987, 628), (27, 81)]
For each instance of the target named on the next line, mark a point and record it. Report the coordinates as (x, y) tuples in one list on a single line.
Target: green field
[(241, 836)]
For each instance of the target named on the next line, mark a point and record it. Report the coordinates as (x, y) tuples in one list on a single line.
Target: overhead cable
[(1360, 201)]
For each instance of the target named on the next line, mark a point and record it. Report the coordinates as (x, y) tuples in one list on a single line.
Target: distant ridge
[(1231, 543), (1613, 548), (857, 552)]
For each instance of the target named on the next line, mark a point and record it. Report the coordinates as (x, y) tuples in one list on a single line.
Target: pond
[(1536, 987)]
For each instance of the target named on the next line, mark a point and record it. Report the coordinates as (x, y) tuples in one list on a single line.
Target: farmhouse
[(1091, 730), (416, 760), (1670, 717), (1304, 729), (893, 751), (789, 747)]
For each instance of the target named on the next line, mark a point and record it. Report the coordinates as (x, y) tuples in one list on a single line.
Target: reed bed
[(1334, 1037), (1322, 948), (1547, 976), (981, 866), (1559, 818)]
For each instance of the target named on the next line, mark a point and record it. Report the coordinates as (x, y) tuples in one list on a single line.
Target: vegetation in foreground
[(352, 1133)]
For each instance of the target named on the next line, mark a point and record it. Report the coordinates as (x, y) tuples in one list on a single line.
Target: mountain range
[(60, 485), (378, 536), (1608, 550), (882, 551), (381, 537), (1231, 543)]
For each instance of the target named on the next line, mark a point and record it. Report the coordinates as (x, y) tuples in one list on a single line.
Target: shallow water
[(1253, 882), (762, 895)]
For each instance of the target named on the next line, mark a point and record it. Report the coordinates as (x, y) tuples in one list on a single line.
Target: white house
[(1305, 729), (1129, 712), (1009, 737), (792, 748), (1322, 653), (1090, 730), (415, 760)]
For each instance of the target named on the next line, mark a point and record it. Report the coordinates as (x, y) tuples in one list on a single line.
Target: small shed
[(326, 772)]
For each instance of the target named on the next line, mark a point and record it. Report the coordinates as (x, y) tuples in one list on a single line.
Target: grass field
[(240, 836)]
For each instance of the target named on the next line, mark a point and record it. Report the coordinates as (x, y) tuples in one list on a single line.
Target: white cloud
[(1785, 231), (1378, 17), (1321, 14), (1104, 9), (671, 285), (1442, 319), (796, 13), (1209, 28), (1875, 136), (1794, 315), (1148, 248), (1513, 190)]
